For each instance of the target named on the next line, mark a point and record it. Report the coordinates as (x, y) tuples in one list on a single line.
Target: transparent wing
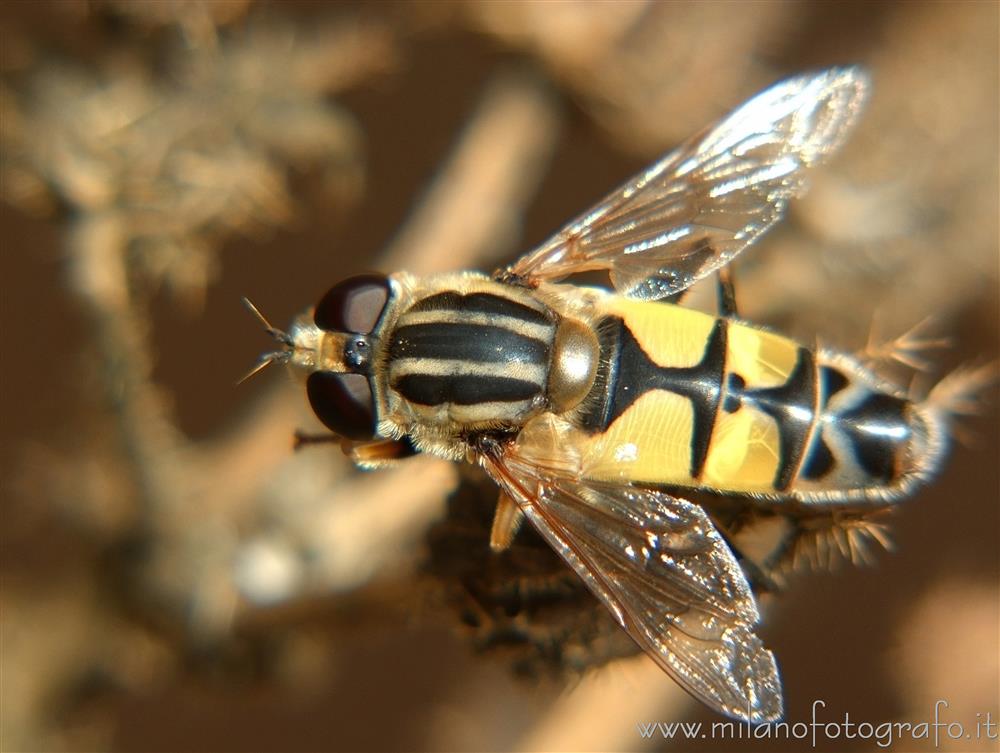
[(666, 574), (701, 205)]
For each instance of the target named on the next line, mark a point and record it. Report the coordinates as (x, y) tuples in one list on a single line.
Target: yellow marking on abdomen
[(650, 442), (744, 452), (763, 359), (671, 335)]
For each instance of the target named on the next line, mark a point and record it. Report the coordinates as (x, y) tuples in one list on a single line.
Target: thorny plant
[(190, 130)]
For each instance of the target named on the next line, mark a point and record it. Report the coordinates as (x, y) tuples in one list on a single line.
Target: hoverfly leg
[(302, 439), (909, 349), (377, 454), (760, 576), (727, 293), (506, 522), (381, 453), (820, 542), (762, 581), (508, 277), (675, 298)]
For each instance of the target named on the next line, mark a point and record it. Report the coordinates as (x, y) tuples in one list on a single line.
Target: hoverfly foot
[(302, 439), (908, 349), (727, 293), (508, 277)]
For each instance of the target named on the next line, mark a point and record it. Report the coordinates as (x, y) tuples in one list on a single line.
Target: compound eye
[(353, 305), (343, 402)]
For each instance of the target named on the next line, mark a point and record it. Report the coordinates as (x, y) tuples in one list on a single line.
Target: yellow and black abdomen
[(688, 399)]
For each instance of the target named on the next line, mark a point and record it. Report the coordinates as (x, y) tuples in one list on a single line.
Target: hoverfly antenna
[(280, 335), (263, 362)]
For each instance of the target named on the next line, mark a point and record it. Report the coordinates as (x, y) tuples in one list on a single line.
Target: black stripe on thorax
[(427, 389), (482, 303), (478, 343)]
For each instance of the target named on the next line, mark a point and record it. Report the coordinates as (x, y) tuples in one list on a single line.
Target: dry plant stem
[(259, 440), (366, 526), (602, 712), (370, 526), (467, 217), (148, 436), (471, 214)]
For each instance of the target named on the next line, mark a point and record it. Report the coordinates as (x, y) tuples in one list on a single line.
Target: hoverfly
[(594, 410)]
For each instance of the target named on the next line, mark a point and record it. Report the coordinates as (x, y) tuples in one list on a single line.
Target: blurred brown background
[(175, 578)]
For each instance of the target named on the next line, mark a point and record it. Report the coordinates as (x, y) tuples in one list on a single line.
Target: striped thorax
[(473, 354)]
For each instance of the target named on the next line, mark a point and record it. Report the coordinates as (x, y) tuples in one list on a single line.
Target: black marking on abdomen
[(631, 373), (820, 460), (831, 382), (481, 303), (428, 389), (878, 430), (791, 405), (478, 343), (735, 384)]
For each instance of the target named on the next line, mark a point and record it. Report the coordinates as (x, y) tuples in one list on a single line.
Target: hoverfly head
[(333, 345)]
